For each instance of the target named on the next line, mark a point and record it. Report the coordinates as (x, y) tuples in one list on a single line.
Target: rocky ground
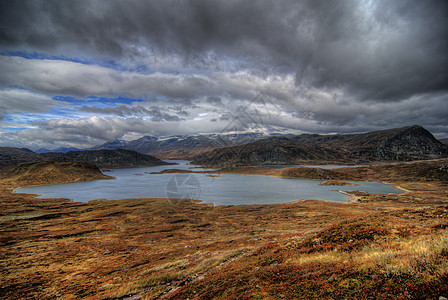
[(382, 246)]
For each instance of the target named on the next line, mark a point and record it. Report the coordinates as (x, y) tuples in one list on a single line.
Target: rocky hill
[(51, 172), (269, 151), (401, 144), (13, 156), (118, 158)]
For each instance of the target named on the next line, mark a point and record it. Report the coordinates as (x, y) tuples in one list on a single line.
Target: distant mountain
[(186, 147), (402, 144), (12, 156), (143, 145), (104, 158), (175, 147), (61, 149), (444, 141), (182, 147), (110, 145)]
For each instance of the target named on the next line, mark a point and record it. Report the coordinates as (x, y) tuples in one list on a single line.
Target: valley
[(392, 246)]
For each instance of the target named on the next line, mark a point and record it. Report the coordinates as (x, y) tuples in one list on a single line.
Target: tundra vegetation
[(380, 246)]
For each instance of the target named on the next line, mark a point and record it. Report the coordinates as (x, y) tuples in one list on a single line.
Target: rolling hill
[(13, 156), (51, 172), (117, 158)]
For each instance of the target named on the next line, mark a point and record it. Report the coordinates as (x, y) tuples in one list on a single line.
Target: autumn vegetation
[(381, 247)]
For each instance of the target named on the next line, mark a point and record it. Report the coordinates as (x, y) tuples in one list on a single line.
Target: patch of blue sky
[(98, 101), (17, 87), (105, 62), (60, 112), (25, 118), (55, 113), (15, 128), (112, 64), (39, 55)]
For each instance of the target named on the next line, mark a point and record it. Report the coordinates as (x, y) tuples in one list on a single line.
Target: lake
[(226, 189)]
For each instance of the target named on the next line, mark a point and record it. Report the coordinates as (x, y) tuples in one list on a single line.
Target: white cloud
[(13, 100), (58, 77)]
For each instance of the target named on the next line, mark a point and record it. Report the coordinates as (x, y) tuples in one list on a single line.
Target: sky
[(80, 73)]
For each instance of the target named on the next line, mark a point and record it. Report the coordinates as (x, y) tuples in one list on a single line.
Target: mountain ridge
[(173, 147), (182, 146), (399, 144)]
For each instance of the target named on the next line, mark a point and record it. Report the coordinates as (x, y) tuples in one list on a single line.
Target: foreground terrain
[(378, 246)]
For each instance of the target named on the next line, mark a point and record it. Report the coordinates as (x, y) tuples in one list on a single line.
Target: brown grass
[(392, 247)]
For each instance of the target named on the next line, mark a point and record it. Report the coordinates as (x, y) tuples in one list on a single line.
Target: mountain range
[(175, 147), (183, 147), (189, 146), (401, 144)]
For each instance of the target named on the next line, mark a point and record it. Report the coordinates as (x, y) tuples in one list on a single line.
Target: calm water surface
[(227, 189)]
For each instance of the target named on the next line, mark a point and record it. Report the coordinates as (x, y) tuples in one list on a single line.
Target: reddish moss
[(346, 236)]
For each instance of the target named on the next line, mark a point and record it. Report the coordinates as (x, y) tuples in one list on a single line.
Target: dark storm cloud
[(324, 66), (378, 51)]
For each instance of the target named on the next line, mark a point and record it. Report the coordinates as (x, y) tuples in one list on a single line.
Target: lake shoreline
[(259, 186)]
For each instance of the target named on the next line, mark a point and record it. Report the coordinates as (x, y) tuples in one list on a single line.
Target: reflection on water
[(226, 189)]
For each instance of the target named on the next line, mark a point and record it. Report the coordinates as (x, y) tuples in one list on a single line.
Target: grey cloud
[(154, 112), (325, 66), (61, 77), (382, 50), (180, 110), (225, 117), (214, 100), (95, 130), (58, 77), (322, 118), (13, 100)]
